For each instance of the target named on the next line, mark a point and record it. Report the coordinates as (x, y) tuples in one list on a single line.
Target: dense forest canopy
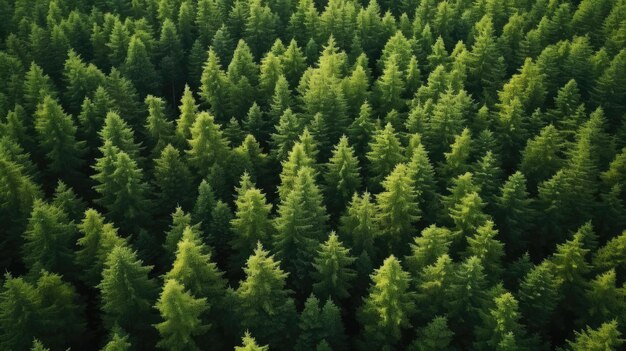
[(313, 175)]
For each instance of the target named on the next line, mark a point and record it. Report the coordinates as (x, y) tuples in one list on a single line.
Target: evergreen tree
[(606, 337), (500, 325), (117, 342), (215, 86), (160, 131), (139, 68), (390, 87), (249, 344), (126, 290), (96, 241), (263, 303), (121, 135), (251, 223), (121, 188), (360, 224), (37, 86), (207, 145), (320, 326), (173, 180), (385, 153), (387, 309), (48, 240), (398, 207), (361, 130), (300, 226), (435, 336), (333, 273), (57, 134), (188, 112), (180, 312), (428, 247), (342, 176)]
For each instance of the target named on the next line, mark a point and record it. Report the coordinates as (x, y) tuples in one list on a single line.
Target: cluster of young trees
[(313, 175)]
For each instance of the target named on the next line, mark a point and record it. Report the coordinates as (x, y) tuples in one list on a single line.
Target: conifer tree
[(251, 223), (180, 312), (300, 226), (428, 247), (298, 159), (387, 309), (37, 86), (48, 240), (294, 63), (320, 326), (359, 225), (287, 132), (207, 145), (65, 199), (605, 337), (398, 207), (500, 324), (117, 342), (457, 159), (361, 130), (121, 188), (96, 241), (188, 111), (56, 133), (169, 48), (390, 87), (215, 86), (467, 292), (514, 213), (436, 336), (486, 66), (138, 66), (385, 153), (121, 135), (342, 176), (263, 302), (127, 292), (173, 180), (488, 249), (249, 344), (160, 131), (333, 273)]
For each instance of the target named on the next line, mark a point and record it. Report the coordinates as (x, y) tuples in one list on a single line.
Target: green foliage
[(333, 273), (387, 309), (180, 312)]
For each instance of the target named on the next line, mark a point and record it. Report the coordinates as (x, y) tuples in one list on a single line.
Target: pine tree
[(398, 207), (542, 157), (171, 59), (300, 226), (387, 309), (263, 303), (81, 79), (467, 293), (160, 131), (294, 63), (271, 71), (57, 134), (173, 179), (121, 188), (126, 290), (538, 308), (488, 249), (342, 176), (390, 87), (207, 145), (249, 344), (457, 159), (428, 247), (320, 326), (243, 75), (468, 214), (361, 130), (215, 86), (385, 153), (356, 89), (117, 342), (436, 336), (188, 112), (260, 27), (500, 324), (66, 200), (251, 223), (606, 337), (48, 240), (18, 313), (121, 135), (333, 273), (514, 213), (605, 299), (92, 115), (297, 159), (139, 68), (359, 225), (96, 241), (180, 312), (486, 66), (37, 86)]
